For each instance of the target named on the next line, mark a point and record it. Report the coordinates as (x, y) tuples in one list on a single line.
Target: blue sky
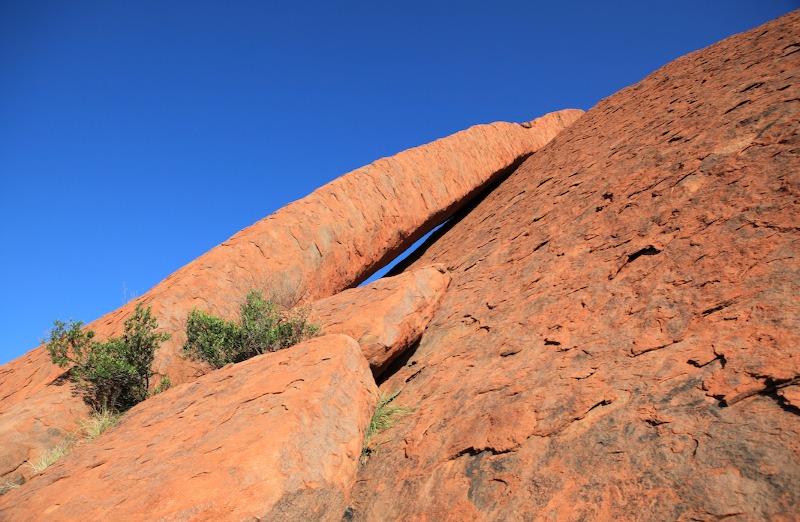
[(135, 136)]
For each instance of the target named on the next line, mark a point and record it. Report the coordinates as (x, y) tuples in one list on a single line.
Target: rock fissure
[(769, 388), (636, 352), (472, 452), (649, 250)]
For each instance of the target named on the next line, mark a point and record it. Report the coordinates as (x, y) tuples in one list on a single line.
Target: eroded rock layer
[(335, 237), (387, 316), (277, 437), (312, 248), (620, 339)]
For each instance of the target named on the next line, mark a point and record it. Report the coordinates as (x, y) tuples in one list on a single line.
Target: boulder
[(620, 339), (387, 316), (277, 437)]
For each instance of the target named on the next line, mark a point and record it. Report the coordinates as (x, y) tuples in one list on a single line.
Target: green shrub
[(262, 328), (210, 339), (115, 374)]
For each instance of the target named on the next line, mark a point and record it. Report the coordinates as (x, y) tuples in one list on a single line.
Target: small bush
[(115, 374), (262, 328), (211, 339)]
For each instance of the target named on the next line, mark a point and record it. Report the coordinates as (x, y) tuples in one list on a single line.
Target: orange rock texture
[(338, 235), (328, 241), (276, 437), (387, 316), (621, 336), (610, 333)]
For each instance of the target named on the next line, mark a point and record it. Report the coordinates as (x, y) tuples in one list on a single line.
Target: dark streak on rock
[(752, 86), (649, 250), (737, 106), (717, 308)]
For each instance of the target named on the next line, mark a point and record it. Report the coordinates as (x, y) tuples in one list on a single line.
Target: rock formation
[(278, 435), (387, 316), (293, 422), (328, 241), (618, 338)]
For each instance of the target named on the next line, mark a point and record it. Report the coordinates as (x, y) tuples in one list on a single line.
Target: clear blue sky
[(135, 136)]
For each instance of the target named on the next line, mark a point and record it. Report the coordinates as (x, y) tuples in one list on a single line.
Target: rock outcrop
[(338, 235), (620, 337), (328, 241), (387, 316), (276, 437)]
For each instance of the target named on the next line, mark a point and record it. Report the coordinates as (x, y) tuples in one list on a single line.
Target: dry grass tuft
[(385, 417)]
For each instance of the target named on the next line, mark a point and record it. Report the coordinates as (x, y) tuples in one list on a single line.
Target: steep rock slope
[(277, 436), (312, 248), (338, 235), (620, 336)]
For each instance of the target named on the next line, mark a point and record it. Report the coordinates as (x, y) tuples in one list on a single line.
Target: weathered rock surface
[(37, 410), (387, 316), (326, 242), (621, 337), (338, 235), (276, 437)]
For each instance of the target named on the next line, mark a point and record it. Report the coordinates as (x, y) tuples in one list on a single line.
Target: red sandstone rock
[(387, 316), (37, 410), (312, 248), (276, 437), (620, 339)]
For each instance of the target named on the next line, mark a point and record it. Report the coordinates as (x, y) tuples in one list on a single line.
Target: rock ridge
[(610, 333), (319, 245)]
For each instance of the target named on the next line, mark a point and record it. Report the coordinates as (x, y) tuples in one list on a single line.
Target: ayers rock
[(612, 333), (326, 242)]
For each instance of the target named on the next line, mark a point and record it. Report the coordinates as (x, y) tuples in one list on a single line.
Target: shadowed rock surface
[(620, 336), (328, 241), (387, 316), (279, 434)]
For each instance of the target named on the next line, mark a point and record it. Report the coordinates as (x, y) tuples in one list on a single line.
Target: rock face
[(275, 437), (620, 337), (326, 242), (387, 316), (338, 235), (38, 408)]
